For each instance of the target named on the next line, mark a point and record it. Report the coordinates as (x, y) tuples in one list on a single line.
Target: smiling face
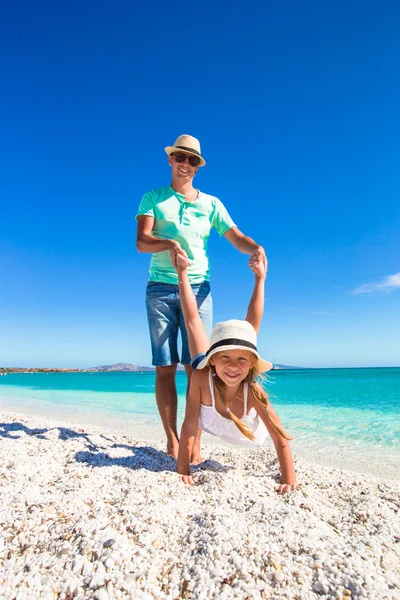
[(181, 171), (233, 366)]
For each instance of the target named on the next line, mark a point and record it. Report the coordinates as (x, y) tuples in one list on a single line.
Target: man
[(177, 219)]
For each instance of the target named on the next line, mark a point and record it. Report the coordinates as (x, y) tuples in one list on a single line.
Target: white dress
[(212, 422)]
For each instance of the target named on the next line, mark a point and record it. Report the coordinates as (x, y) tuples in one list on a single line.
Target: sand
[(90, 512)]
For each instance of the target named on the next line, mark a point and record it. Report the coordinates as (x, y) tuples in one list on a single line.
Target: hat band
[(232, 342), (188, 150)]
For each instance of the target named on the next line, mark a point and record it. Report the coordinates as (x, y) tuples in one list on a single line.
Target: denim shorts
[(165, 317)]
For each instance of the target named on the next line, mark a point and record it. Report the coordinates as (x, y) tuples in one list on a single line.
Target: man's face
[(182, 170)]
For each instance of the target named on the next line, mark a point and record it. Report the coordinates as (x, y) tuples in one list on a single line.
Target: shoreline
[(375, 461), (98, 513)]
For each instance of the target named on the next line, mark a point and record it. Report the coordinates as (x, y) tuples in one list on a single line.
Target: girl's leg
[(197, 335), (196, 332)]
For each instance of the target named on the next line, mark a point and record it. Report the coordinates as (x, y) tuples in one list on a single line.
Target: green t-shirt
[(188, 223)]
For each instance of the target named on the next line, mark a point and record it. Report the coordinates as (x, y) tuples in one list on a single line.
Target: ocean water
[(342, 417)]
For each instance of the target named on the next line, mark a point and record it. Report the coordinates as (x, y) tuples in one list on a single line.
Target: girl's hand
[(187, 479), (285, 488)]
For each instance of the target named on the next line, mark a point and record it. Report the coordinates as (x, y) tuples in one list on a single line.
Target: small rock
[(218, 572), (278, 576)]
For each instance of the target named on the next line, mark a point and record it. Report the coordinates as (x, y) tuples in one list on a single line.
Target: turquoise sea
[(346, 417)]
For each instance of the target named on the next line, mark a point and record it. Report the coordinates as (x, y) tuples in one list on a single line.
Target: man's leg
[(167, 402), (163, 318)]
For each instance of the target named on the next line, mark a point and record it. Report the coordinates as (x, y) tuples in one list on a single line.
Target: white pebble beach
[(89, 512)]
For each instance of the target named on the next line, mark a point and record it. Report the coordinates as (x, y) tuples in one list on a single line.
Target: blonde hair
[(259, 394)]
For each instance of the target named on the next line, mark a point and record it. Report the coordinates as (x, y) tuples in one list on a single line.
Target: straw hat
[(234, 335), (187, 144)]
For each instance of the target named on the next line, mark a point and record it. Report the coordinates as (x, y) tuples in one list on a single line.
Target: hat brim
[(263, 365), (170, 149)]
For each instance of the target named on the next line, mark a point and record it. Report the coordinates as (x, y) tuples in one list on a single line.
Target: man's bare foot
[(172, 449), (196, 459)]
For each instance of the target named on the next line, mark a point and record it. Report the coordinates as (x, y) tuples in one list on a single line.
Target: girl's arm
[(197, 337), (282, 448), (189, 428), (256, 305)]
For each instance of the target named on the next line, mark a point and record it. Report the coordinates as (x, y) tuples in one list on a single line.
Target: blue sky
[(296, 107)]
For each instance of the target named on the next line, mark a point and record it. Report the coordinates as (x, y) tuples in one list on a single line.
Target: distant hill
[(120, 367), (132, 368), (125, 367), (281, 367)]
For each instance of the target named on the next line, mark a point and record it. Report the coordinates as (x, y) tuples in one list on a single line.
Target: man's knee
[(166, 373)]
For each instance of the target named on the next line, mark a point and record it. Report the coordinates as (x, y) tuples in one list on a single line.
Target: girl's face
[(232, 366)]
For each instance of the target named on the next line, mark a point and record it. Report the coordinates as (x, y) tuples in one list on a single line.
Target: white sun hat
[(189, 145), (234, 335)]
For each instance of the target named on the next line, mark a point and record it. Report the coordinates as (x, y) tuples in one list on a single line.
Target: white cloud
[(387, 284)]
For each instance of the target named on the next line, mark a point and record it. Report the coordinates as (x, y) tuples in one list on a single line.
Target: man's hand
[(187, 479)]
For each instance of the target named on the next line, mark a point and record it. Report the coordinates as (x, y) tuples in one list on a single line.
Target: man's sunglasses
[(194, 161)]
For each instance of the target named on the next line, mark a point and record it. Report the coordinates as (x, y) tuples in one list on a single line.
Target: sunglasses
[(193, 161)]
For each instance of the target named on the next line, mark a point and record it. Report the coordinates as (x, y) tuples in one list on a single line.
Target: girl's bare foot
[(258, 268), (182, 262)]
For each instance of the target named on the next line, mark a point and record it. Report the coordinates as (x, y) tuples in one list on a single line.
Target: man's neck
[(183, 188)]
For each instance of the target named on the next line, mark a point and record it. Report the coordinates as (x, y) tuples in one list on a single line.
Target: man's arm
[(245, 244), (147, 242)]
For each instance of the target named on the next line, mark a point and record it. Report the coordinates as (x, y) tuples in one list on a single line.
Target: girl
[(224, 398)]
